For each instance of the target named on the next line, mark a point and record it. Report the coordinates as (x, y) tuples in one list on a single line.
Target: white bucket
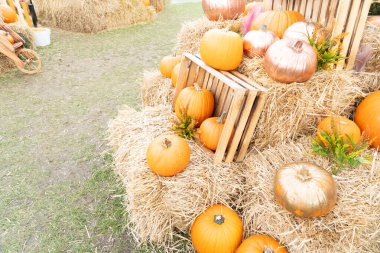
[(41, 36)]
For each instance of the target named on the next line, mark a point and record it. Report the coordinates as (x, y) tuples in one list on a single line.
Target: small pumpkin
[(277, 21), (168, 155), (256, 43), (196, 102), (175, 74), (210, 131), (289, 61), (300, 31), (217, 230), (226, 9), (261, 244), (222, 49), (367, 117), (305, 189), (8, 14), (168, 63), (252, 5), (7, 36), (341, 126), (146, 3)]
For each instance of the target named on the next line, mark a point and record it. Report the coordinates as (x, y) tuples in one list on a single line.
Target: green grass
[(58, 192)]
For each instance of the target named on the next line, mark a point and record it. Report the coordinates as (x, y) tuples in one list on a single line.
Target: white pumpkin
[(300, 31)]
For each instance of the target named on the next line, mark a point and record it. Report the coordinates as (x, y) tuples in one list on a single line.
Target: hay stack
[(353, 225), (160, 208), (156, 89), (90, 16), (372, 37), (26, 33)]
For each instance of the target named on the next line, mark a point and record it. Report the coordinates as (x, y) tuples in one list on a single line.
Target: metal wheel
[(31, 61)]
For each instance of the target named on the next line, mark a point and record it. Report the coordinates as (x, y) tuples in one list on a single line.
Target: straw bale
[(90, 16), (372, 37), (353, 225), (156, 89), (160, 208)]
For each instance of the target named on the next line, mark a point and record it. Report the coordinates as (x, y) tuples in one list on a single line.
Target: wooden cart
[(25, 59)]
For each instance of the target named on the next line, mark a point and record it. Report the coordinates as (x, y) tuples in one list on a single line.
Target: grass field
[(57, 189)]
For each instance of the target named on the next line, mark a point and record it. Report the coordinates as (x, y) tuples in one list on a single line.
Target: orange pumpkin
[(167, 65), (7, 36), (305, 189), (367, 117), (196, 102), (277, 21), (168, 155), (251, 5), (341, 126), (261, 244), (222, 49), (218, 230), (175, 74), (146, 2), (8, 14), (211, 130)]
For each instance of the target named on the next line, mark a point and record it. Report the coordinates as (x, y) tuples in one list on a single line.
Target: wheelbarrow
[(13, 47)]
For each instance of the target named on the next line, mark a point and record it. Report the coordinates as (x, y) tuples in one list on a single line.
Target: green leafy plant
[(184, 126), (341, 150), (326, 46), (375, 9)]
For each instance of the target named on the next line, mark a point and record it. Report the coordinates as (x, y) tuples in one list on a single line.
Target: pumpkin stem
[(166, 143), (263, 27), (298, 46), (218, 219), (304, 175), (197, 87), (267, 250), (221, 118)]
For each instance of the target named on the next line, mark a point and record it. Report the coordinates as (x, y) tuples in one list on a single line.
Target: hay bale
[(353, 225), (26, 33), (371, 36), (160, 208), (90, 16), (156, 89)]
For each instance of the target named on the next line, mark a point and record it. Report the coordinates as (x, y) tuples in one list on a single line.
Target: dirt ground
[(57, 189)]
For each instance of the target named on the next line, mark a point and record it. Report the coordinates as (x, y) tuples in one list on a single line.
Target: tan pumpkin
[(168, 155), (168, 63), (175, 74), (196, 102), (289, 61), (305, 189), (210, 131), (300, 31), (367, 117), (225, 9), (256, 43), (217, 230), (261, 244), (340, 126), (222, 49), (277, 21)]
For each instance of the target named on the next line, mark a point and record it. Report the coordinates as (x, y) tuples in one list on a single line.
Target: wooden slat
[(290, 4), (330, 18), (218, 92), (209, 83), (277, 4), (316, 10), (20, 13), (297, 5), (222, 99), (227, 101), (10, 3), (284, 4), (205, 80), (192, 76), (25, 9), (268, 5), (350, 28), (309, 9), (229, 125), (251, 82), (341, 18), (238, 80), (201, 76), (323, 12), (358, 34), (302, 8), (182, 77), (242, 124), (214, 86), (257, 110)]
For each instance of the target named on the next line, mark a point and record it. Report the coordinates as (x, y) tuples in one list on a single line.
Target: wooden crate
[(241, 98), (350, 16)]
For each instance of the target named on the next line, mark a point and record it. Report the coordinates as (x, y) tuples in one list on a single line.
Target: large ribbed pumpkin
[(222, 49), (168, 155), (196, 102), (226, 9), (277, 21), (261, 244), (8, 14), (367, 117), (305, 189), (218, 230), (342, 127)]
